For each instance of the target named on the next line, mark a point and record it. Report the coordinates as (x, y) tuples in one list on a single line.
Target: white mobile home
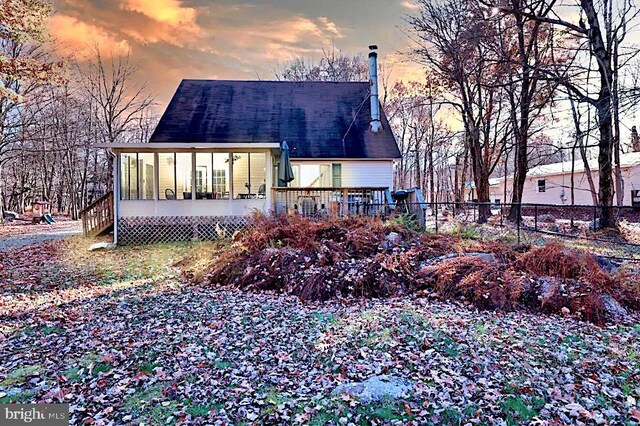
[(551, 183)]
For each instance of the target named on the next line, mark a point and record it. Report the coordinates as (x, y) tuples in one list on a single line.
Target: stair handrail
[(96, 202), (98, 215)]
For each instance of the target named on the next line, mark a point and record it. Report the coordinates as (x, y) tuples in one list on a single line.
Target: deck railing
[(332, 202), (98, 216)]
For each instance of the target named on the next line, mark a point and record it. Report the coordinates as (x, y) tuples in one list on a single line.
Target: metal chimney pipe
[(376, 125)]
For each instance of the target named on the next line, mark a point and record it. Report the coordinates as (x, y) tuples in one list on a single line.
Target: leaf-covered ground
[(124, 341)]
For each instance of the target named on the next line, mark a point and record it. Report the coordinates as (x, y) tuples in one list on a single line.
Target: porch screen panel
[(145, 175), (221, 177), (240, 175), (184, 167), (167, 176), (258, 174), (212, 176), (128, 177), (204, 176)]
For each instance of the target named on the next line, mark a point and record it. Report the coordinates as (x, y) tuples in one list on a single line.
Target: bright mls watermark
[(34, 414)]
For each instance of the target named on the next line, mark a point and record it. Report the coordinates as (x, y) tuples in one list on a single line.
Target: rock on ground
[(102, 246), (376, 388)]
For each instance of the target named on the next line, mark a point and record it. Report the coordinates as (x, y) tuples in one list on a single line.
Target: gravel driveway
[(14, 236)]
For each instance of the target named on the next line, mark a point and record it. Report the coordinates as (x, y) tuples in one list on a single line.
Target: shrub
[(360, 257)]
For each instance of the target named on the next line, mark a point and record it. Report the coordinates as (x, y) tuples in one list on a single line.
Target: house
[(551, 183), (213, 158)]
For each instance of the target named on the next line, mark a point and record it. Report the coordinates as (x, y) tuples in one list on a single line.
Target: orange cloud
[(172, 22), (166, 11), (279, 40), (79, 37)]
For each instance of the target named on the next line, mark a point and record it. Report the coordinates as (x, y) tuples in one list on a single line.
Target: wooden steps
[(97, 218)]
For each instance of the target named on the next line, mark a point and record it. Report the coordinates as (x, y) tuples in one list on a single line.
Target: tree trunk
[(519, 178), (603, 108), (605, 146), (1, 195)]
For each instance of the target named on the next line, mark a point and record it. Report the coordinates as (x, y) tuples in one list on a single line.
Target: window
[(128, 177), (146, 176), (136, 176), (212, 176), (542, 185), (174, 173), (258, 174), (336, 170), (249, 175)]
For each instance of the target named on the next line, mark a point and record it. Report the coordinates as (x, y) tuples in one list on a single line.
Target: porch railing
[(98, 216), (331, 202)]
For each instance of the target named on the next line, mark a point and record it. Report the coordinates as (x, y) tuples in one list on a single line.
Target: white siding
[(367, 174), (151, 208), (558, 188)]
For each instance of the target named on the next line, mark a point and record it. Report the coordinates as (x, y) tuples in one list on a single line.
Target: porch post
[(116, 194), (269, 207), (194, 223), (345, 202)]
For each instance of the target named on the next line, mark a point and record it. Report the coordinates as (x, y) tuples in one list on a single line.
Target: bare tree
[(334, 66), (452, 38), (603, 31), (119, 101), (524, 48)]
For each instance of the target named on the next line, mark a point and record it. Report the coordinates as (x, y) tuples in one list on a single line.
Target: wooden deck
[(331, 202)]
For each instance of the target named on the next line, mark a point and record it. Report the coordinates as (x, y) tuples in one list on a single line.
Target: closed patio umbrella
[(285, 171)]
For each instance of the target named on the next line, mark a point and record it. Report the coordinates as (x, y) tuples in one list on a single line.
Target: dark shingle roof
[(313, 117)]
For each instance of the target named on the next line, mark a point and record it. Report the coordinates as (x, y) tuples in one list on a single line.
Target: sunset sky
[(174, 39)]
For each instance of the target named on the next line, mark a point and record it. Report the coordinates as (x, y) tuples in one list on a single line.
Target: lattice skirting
[(163, 229)]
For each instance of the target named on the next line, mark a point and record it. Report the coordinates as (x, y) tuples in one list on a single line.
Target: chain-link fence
[(579, 224)]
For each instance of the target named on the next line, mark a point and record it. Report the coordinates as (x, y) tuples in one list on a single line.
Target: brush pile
[(371, 258)]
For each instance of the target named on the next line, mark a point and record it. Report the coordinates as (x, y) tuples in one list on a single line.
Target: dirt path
[(16, 235)]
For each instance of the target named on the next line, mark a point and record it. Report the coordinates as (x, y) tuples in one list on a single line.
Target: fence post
[(595, 216), (535, 217), (436, 204), (473, 206), (501, 215)]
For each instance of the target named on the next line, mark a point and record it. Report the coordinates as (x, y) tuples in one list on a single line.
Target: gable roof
[(317, 119)]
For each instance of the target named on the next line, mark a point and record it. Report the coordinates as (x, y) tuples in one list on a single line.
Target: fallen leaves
[(123, 340)]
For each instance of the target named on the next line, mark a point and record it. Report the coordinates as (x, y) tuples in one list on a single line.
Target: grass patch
[(148, 367), (20, 375), (376, 412), (141, 403), (18, 398), (51, 330), (73, 374), (445, 344), (223, 365), (517, 411), (323, 318), (203, 410)]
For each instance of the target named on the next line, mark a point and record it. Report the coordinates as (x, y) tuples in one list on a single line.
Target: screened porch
[(194, 183)]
